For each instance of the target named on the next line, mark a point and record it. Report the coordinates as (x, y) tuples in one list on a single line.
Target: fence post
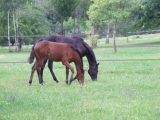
[(114, 37), (127, 37), (9, 42)]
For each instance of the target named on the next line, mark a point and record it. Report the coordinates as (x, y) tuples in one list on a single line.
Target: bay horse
[(57, 52), (83, 48)]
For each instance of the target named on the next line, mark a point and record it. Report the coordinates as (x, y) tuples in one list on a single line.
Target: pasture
[(125, 90)]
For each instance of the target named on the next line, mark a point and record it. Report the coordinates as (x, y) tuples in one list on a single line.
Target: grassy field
[(125, 90)]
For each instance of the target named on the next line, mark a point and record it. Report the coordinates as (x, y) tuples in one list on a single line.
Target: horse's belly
[(54, 58)]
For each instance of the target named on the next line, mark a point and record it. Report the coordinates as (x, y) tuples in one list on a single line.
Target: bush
[(93, 37)]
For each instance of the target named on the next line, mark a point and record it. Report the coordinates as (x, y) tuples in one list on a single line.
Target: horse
[(58, 52), (83, 48)]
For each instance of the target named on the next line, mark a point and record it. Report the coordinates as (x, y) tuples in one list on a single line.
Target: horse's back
[(75, 41)]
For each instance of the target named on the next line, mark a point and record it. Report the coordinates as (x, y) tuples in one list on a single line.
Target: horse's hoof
[(67, 82), (42, 83), (30, 82)]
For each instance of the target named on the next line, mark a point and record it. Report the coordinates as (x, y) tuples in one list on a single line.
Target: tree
[(64, 10), (31, 21), (147, 15), (80, 15), (110, 11), (13, 6)]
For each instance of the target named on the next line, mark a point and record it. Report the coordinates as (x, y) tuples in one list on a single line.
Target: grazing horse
[(81, 46), (57, 52)]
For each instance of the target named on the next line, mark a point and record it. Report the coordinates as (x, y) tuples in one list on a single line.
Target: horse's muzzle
[(95, 79)]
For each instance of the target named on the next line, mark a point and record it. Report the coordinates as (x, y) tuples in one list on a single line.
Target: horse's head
[(93, 72), (81, 78)]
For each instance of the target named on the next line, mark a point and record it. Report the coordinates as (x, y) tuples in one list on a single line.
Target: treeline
[(44, 17)]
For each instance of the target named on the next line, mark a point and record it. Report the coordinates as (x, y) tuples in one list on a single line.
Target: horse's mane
[(89, 49)]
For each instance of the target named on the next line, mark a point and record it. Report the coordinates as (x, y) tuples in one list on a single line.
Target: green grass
[(133, 40), (127, 90)]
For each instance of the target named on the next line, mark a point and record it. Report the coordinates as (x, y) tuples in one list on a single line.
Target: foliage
[(31, 21), (42, 17), (147, 15), (64, 9), (108, 10)]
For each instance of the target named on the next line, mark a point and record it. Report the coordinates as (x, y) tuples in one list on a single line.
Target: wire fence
[(97, 47), (104, 60)]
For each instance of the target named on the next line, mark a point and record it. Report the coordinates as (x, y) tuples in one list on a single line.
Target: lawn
[(125, 90)]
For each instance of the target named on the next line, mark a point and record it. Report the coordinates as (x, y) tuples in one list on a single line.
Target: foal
[(57, 52)]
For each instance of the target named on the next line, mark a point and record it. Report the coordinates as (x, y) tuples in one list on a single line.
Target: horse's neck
[(79, 65), (90, 56), (91, 60)]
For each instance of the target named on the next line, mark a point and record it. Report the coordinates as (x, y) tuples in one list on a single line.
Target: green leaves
[(108, 10), (147, 15), (65, 8)]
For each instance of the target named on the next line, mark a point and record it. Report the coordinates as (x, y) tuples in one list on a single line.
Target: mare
[(57, 52), (83, 48)]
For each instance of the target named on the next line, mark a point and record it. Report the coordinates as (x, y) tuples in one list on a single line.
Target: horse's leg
[(32, 72), (67, 73), (66, 63), (39, 69), (43, 68), (50, 64), (71, 80)]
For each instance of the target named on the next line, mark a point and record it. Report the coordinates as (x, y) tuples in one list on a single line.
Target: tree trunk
[(107, 33), (96, 30), (79, 26), (18, 44), (95, 37), (114, 36), (61, 28), (74, 23), (15, 31), (9, 42), (79, 23), (90, 39)]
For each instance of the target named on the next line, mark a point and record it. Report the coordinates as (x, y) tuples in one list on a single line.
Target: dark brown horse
[(81, 46), (57, 52)]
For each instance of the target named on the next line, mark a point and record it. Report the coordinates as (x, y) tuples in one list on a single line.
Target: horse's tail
[(32, 55)]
